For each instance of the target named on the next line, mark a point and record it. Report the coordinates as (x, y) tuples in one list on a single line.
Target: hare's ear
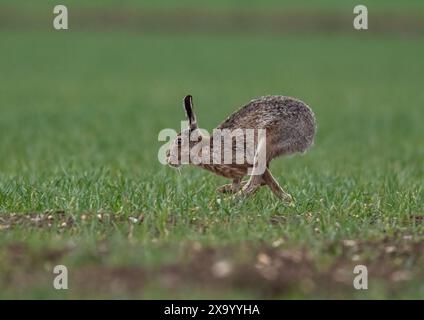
[(188, 106)]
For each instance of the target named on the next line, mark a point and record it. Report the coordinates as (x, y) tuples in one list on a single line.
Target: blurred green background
[(80, 183)]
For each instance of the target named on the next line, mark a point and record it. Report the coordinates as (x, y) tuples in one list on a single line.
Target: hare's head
[(179, 150)]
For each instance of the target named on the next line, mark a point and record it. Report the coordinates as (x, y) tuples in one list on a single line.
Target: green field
[(81, 185)]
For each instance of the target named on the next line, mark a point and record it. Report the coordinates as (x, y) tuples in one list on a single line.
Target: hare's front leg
[(233, 187), (275, 187), (259, 165)]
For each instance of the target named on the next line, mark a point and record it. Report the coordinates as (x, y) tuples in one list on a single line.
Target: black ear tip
[(188, 99)]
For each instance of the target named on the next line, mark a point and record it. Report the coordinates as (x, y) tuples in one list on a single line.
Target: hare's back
[(289, 123), (266, 112)]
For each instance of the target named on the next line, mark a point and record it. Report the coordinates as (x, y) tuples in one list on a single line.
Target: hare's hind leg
[(275, 187)]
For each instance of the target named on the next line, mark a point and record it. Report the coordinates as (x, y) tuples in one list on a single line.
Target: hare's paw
[(249, 189), (231, 188), (226, 188), (243, 192), (288, 199)]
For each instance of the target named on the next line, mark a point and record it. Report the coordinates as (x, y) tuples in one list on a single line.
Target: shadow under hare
[(263, 129)]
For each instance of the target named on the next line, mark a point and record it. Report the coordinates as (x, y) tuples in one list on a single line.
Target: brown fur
[(290, 128)]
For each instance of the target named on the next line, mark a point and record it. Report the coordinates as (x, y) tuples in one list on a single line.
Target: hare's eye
[(179, 141)]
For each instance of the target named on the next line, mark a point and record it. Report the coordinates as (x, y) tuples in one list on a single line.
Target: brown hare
[(287, 126)]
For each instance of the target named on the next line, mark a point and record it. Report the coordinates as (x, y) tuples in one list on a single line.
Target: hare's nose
[(167, 153)]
